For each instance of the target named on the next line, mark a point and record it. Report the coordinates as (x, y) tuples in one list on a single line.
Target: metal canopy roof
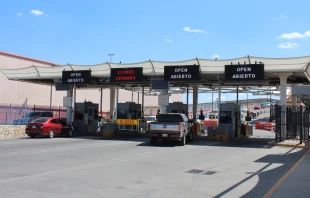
[(211, 71)]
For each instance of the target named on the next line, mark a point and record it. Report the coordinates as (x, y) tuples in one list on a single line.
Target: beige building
[(17, 92)]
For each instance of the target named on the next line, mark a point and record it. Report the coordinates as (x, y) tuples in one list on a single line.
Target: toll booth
[(177, 107), (85, 118), (129, 118), (230, 120)]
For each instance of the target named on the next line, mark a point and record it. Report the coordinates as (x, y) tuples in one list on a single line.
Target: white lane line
[(202, 145), (86, 166), (37, 151), (40, 141)]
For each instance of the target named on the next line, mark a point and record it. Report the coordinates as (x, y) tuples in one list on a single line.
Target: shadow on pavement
[(267, 178), (261, 143)]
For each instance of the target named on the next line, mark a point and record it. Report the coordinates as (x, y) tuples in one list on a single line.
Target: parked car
[(31, 116), (171, 126), (267, 104), (257, 106), (213, 114), (151, 119), (49, 127)]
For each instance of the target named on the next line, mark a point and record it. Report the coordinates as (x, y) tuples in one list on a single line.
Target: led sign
[(244, 73), (76, 77), (128, 75), (182, 73)]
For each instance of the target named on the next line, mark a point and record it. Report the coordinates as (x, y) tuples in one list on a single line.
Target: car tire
[(70, 133), (153, 140), (32, 136), (183, 141), (191, 136), (51, 134)]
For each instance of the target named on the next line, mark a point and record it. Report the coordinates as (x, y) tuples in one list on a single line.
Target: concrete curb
[(288, 145)]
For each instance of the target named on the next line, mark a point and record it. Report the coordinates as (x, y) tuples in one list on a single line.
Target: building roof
[(28, 59), (298, 66)]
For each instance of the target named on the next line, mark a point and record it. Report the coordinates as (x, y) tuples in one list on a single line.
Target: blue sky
[(84, 32)]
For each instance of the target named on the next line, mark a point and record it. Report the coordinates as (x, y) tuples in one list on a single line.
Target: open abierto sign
[(244, 73)]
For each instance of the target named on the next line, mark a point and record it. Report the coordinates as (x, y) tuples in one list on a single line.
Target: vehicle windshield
[(169, 118), (215, 111), (40, 120), (150, 118)]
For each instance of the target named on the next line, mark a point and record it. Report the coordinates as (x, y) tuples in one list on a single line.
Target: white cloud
[(169, 40), (188, 29), (19, 14), (295, 35), (282, 16), (287, 45), (216, 56), (36, 12)]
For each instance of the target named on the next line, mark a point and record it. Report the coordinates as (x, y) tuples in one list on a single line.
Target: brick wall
[(12, 131)]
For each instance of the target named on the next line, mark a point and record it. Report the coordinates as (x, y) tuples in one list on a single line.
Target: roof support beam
[(152, 66), (198, 61), (36, 70), (71, 67), (109, 65)]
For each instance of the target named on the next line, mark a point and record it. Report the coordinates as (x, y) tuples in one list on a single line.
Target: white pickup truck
[(171, 126)]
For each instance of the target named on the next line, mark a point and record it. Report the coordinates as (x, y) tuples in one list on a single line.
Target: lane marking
[(282, 179), (92, 165), (72, 147)]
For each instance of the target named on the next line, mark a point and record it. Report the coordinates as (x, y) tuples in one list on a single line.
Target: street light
[(111, 55)]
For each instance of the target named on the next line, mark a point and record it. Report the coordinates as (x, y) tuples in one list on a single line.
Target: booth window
[(226, 117), (121, 114), (79, 114), (169, 118)]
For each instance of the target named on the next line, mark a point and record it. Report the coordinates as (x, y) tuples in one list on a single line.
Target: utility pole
[(111, 55)]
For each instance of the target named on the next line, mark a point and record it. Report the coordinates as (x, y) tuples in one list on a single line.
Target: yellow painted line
[(277, 185), (289, 145)]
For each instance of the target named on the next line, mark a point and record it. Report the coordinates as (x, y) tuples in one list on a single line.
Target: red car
[(257, 106), (49, 127)]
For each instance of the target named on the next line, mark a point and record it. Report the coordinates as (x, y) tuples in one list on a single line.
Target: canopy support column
[(294, 101), (187, 90), (116, 105), (112, 104), (164, 107), (195, 102), (219, 105), (283, 86), (142, 110), (69, 109), (51, 98), (100, 103)]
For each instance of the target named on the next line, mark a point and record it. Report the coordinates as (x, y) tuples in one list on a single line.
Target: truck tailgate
[(165, 127)]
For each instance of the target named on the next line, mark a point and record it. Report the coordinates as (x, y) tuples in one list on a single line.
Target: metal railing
[(297, 125), (15, 112)]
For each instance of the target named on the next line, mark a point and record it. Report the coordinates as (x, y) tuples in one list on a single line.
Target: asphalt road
[(99, 167)]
